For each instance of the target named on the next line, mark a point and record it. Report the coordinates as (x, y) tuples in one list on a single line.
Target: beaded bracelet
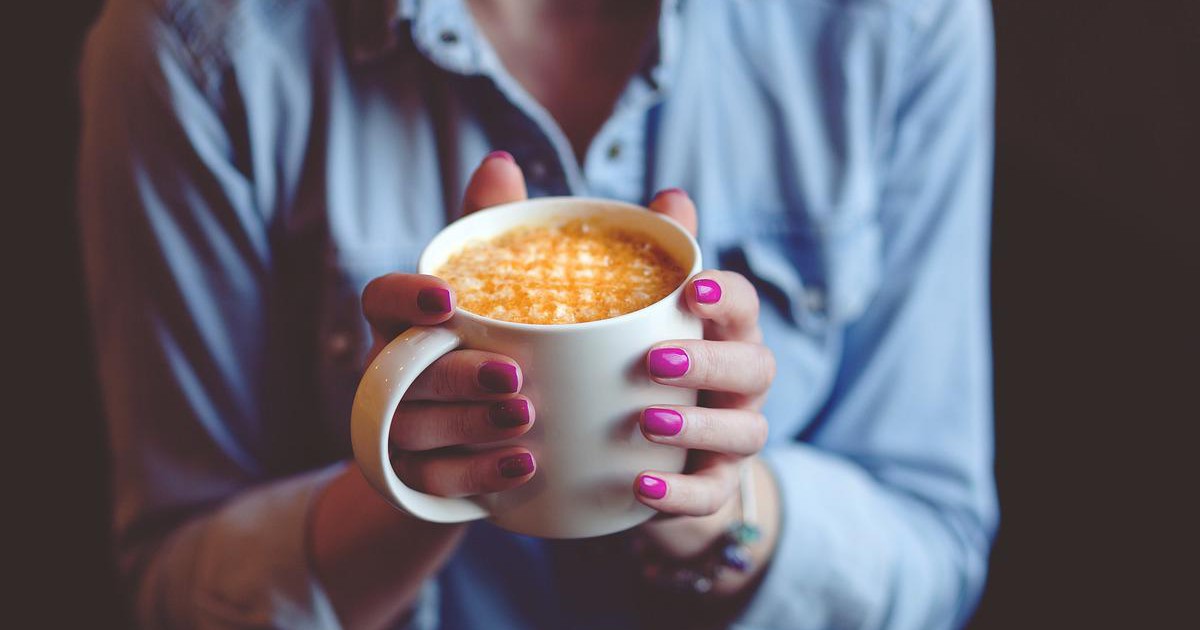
[(729, 552)]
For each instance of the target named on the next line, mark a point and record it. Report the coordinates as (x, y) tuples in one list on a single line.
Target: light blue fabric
[(248, 165)]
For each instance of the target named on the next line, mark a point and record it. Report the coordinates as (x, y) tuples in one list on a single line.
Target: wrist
[(718, 556), (767, 521), (749, 540), (370, 558)]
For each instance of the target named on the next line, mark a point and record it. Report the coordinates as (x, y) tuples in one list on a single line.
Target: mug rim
[(422, 264)]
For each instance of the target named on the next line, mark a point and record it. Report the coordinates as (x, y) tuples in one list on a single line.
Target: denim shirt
[(248, 165)]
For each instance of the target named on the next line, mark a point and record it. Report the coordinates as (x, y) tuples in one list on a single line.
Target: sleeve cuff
[(821, 575), (251, 563)]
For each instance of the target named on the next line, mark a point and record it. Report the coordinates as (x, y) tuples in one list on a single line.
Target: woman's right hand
[(371, 558), (464, 397)]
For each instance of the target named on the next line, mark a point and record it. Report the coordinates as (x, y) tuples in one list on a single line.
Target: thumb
[(496, 180), (676, 203)]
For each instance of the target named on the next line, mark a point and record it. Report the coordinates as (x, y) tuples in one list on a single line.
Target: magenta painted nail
[(707, 291), (499, 377), (651, 487), (433, 300), (659, 421), (502, 155), (516, 465), (668, 362), (507, 414)]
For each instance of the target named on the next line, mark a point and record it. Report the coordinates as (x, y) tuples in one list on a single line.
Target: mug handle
[(379, 393)]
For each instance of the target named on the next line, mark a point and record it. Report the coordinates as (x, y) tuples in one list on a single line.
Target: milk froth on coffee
[(577, 271)]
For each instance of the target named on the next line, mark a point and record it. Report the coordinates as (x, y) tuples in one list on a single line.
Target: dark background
[(1095, 274)]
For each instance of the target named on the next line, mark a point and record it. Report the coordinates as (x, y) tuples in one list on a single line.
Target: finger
[(676, 203), (728, 304), (738, 367), (457, 474), (700, 493), (730, 431), (496, 180), (467, 375), (396, 301), (423, 426)]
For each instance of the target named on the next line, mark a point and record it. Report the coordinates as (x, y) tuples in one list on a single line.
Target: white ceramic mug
[(587, 382)]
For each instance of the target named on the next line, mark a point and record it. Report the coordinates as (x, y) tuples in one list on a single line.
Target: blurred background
[(1096, 270)]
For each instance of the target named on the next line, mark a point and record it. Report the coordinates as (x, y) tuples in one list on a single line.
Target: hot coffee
[(578, 271)]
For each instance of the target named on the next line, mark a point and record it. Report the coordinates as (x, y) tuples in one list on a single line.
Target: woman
[(251, 170)]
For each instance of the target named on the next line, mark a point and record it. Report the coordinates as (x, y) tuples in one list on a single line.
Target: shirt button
[(614, 150), (338, 346), (448, 37), (814, 300)]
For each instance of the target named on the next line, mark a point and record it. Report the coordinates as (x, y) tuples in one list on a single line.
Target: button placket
[(339, 345), (614, 167), (614, 150), (615, 164), (443, 32)]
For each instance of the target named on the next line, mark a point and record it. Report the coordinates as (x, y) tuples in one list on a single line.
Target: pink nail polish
[(651, 487), (672, 191), (516, 465), (433, 300), (660, 421), (508, 414), (668, 362), (707, 291), (499, 377), (501, 155)]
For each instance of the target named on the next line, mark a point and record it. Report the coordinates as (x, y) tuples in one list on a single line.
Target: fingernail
[(659, 421), (707, 291), (651, 487), (516, 465), (433, 300), (672, 191), (668, 362), (499, 377), (507, 414), (502, 155)]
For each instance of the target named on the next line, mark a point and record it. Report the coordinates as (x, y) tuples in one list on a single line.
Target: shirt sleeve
[(210, 498), (889, 505)]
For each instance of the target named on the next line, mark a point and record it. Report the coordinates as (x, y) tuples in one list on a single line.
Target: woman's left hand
[(733, 370)]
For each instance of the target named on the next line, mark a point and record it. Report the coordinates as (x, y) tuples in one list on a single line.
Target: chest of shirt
[(786, 195)]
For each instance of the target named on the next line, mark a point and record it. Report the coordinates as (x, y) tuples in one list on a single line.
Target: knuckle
[(443, 379), (760, 431), (751, 300), (461, 424), (707, 355), (468, 424), (476, 477), (714, 498), (680, 496), (402, 432), (378, 296), (408, 469), (695, 499), (423, 476), (703, 429), (767, 366), (369, 293)]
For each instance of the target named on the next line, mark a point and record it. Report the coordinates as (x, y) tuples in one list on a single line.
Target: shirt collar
[(445, 32), (369, 27)]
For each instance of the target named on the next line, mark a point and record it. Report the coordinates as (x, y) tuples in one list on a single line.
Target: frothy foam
[(578, 271)]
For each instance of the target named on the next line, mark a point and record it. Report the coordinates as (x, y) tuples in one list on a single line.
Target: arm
[(888, 513), (212, 513)]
